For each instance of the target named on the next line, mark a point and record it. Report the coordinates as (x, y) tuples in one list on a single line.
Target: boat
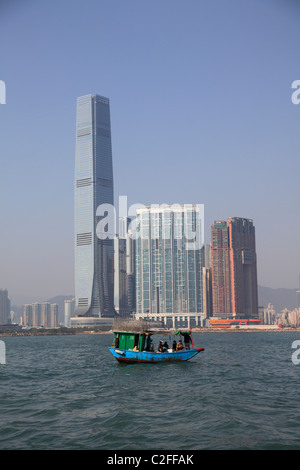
[(133, 343)]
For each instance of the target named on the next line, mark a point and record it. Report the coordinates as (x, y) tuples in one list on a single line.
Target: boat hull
[(134, 357)]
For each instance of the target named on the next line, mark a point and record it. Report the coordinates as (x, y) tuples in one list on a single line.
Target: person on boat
[(165, 346), (179, 346), (149, 345), (174, 345), (187, 340), (160, 347), (135, 348)]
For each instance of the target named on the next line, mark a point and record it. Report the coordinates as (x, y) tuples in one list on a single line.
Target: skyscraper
[(94, 269), (168, 268), (234, 271), (220, 268), (243, 270), (4, 306)]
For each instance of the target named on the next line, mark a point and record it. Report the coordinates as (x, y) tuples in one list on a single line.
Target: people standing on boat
[(187, 340), (179, 346), (174, 345), (149, 345)]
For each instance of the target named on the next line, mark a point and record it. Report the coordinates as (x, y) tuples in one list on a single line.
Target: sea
[(68, 393)]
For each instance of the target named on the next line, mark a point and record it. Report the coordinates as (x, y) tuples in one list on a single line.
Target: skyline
[(200, 97)]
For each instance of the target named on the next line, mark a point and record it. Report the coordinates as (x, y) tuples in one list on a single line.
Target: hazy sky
[(201, 112)]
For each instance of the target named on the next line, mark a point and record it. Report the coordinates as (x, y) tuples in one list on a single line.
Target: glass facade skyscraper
[(168, 265), (94, 276)]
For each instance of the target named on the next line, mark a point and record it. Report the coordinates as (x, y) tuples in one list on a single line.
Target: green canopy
[(180, 332)]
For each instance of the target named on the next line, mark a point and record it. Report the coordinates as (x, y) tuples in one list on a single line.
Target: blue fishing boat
[(133, 344)]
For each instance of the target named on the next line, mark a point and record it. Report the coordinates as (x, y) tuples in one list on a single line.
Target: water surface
[(68, 392)]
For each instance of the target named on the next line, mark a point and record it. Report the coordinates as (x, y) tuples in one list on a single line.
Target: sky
[(201, 112)]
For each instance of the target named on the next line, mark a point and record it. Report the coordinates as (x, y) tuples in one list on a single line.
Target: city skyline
[(202, 112)]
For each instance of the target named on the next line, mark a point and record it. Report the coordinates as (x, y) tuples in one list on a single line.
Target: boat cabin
[(131, 340)]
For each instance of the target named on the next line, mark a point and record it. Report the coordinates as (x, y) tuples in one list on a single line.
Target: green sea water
[(69, 393)]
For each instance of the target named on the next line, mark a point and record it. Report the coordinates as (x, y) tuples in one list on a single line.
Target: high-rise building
[(243, 270), (221, 303), (120, 277), (4, 307), (130, 271), (207, 292), (40, 315), (234, 271), (68, 313), (44, 314), (124, 262), (53, 317), (94, 266), (27, 315), (168, 266)]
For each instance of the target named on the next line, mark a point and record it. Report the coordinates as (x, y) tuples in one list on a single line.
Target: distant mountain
[(280, 298)]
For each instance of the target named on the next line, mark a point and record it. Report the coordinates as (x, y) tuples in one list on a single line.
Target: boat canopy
[(182, 332)]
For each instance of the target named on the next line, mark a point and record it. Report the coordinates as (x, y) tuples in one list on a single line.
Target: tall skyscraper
[(243, 270), (94, 266), (234, 271), (220, 268), (4, 307), (168, 268)]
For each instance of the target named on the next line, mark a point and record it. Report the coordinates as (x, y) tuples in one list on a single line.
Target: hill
[(281, 298)]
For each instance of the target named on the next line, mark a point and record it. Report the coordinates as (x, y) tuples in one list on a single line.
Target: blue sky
[(201, 112)]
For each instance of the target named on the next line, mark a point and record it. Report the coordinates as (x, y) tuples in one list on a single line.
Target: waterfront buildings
[(4, 307), (269, 315), (221, 302), (234, 271), (68, 311), (169, 267), (40, 314), (94, 265)]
